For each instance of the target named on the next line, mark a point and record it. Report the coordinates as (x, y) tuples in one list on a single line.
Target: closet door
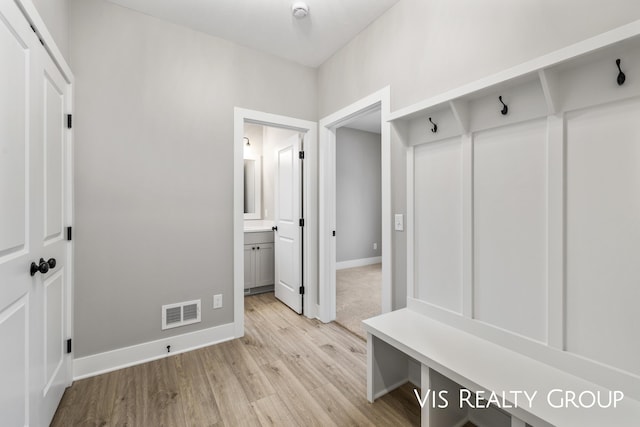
[(18, 215), (33, 293), (51, 293)]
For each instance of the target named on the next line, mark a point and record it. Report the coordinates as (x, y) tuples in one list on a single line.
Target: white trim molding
[(358, 262), (120, 358), (327, 196)]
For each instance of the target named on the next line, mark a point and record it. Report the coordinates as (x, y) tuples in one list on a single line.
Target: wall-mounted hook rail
[(621, 76), (505, 108), (434, 129)]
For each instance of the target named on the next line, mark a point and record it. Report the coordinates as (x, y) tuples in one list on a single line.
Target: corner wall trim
[(358, 262), (124, 357)]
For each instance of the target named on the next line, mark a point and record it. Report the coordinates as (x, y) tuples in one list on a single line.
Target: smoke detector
[(300, 9)]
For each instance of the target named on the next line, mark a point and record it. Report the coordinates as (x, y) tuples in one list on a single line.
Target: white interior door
[(52, 244), (33, 312), (288, 235)]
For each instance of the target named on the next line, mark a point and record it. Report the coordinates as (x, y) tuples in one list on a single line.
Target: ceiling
[(370, 122), (268, 25)]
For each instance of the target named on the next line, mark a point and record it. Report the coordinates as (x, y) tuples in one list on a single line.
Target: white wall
[(55, 14), (425, 47), (358, 195), (154, 166)]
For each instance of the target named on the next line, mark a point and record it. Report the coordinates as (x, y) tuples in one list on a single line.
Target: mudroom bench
[(398, 339)]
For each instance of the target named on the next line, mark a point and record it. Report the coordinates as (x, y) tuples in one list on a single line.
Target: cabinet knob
[(258, 247), (274, 228)]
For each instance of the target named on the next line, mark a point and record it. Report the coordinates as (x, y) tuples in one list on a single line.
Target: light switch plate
[(399, 222)]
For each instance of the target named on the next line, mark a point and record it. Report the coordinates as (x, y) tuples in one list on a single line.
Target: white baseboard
[(358, 262), (108, 361)]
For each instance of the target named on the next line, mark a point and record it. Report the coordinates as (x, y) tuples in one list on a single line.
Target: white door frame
[(327, 197), (309, 201)]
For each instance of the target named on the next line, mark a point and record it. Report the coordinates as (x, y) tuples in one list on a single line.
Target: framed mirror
[(252, 188)]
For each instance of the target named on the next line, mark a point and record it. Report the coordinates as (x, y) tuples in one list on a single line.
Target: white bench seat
[(480, 365)]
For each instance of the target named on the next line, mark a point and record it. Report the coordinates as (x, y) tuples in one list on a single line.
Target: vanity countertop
[(256, 226)]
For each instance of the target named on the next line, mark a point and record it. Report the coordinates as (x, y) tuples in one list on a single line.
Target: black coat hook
[(505, 108), (621, 76), (434, 129)]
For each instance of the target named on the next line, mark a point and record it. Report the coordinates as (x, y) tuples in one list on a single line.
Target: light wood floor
[(358, 293), (286, 370)]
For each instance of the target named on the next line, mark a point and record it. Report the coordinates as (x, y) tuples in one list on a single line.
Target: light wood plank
[(253, 381), (295, 396), (338, 408), (271, 411)]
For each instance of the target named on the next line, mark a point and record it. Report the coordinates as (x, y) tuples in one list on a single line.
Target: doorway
[(273, 183), (301, 221), (375, 105), (358, 221)]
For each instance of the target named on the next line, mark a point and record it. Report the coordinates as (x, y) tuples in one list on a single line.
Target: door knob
[(42, 267), (274, 228)]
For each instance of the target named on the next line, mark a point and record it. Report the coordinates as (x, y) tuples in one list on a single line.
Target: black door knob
[(42, 267), (52, 263), (274, 228)]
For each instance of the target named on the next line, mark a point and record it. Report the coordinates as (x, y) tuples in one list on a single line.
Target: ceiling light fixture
[(300, 9)]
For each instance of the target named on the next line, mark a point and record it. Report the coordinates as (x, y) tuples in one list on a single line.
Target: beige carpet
[(358, 296)]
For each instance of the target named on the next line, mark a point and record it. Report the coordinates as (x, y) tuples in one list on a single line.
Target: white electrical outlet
[(217, 301), (375, 246)]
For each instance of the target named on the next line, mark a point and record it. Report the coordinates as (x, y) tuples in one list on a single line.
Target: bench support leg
[(387, 368), (425, 384)]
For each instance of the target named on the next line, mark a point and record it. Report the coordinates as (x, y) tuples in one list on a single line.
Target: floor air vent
[(180, 314)]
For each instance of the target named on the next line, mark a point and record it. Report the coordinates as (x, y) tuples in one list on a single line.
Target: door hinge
[(301, 155), (69, 346), (69, 233), (301, 222), (301, 290), (37, 35), (69, 121), (334, 233)]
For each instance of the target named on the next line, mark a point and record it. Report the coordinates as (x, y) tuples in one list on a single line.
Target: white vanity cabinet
[(258, 260)]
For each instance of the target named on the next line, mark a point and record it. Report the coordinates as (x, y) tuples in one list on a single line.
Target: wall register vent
[(180, 314)]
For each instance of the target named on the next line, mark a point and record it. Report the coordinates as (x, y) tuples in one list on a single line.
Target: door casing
[(327, 198), (309, 201)]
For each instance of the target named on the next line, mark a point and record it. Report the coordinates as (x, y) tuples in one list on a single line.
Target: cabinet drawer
[(259, 237)]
